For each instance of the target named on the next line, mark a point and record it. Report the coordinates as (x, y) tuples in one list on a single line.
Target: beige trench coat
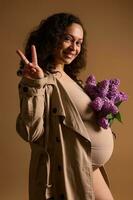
[(60, 165)]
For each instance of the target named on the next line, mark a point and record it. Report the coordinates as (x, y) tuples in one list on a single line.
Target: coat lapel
[(63, 106)]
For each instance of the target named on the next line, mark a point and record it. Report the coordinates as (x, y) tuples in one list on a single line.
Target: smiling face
[(70, 45)]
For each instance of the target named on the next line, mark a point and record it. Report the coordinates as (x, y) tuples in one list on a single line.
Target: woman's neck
[(59, 67)]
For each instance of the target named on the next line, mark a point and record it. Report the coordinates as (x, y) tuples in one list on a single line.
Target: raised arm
[(30, 121)]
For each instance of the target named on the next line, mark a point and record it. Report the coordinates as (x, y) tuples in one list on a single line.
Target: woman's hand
[(31, 69)]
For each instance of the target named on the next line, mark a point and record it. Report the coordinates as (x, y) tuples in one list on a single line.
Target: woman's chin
[(68, 61)]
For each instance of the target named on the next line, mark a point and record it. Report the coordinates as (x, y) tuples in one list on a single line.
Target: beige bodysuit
[(101, 139)]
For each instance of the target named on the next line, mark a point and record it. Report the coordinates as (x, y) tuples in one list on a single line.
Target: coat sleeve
[(30, 121)]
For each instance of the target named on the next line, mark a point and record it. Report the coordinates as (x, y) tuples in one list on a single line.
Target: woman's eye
[(67, 38), (78, 43)]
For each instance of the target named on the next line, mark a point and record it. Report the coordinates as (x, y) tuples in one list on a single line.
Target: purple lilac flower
[(91, 80), (109, 107), (97, 104), (103, 122), (103, 88), (106, 105), (114, 109), (120, 97), (113, 88), (115, 82), (105, 98), (123, 96), (112, 95), (91, 91)]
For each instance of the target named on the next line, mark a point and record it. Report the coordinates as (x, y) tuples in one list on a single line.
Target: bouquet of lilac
[(106, 99)]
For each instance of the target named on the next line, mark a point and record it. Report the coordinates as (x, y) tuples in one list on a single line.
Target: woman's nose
[(73, 46)]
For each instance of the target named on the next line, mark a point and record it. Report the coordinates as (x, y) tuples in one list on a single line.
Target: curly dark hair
[(46, 38)]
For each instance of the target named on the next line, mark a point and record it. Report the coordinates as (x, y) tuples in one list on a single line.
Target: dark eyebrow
[(72, 36)]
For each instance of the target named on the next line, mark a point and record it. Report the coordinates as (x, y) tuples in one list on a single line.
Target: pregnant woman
[(68, 149)]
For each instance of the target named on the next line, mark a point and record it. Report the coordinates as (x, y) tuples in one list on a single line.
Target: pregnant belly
[(102, 144)]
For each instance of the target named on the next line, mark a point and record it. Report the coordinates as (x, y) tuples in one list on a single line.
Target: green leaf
[(118, 117), (118, 104), (110, 116), (111, 121)]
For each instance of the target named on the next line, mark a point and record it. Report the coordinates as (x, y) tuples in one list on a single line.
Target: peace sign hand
[(31, 69)]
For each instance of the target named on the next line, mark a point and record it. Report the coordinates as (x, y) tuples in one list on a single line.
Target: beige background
[(109, 24)]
